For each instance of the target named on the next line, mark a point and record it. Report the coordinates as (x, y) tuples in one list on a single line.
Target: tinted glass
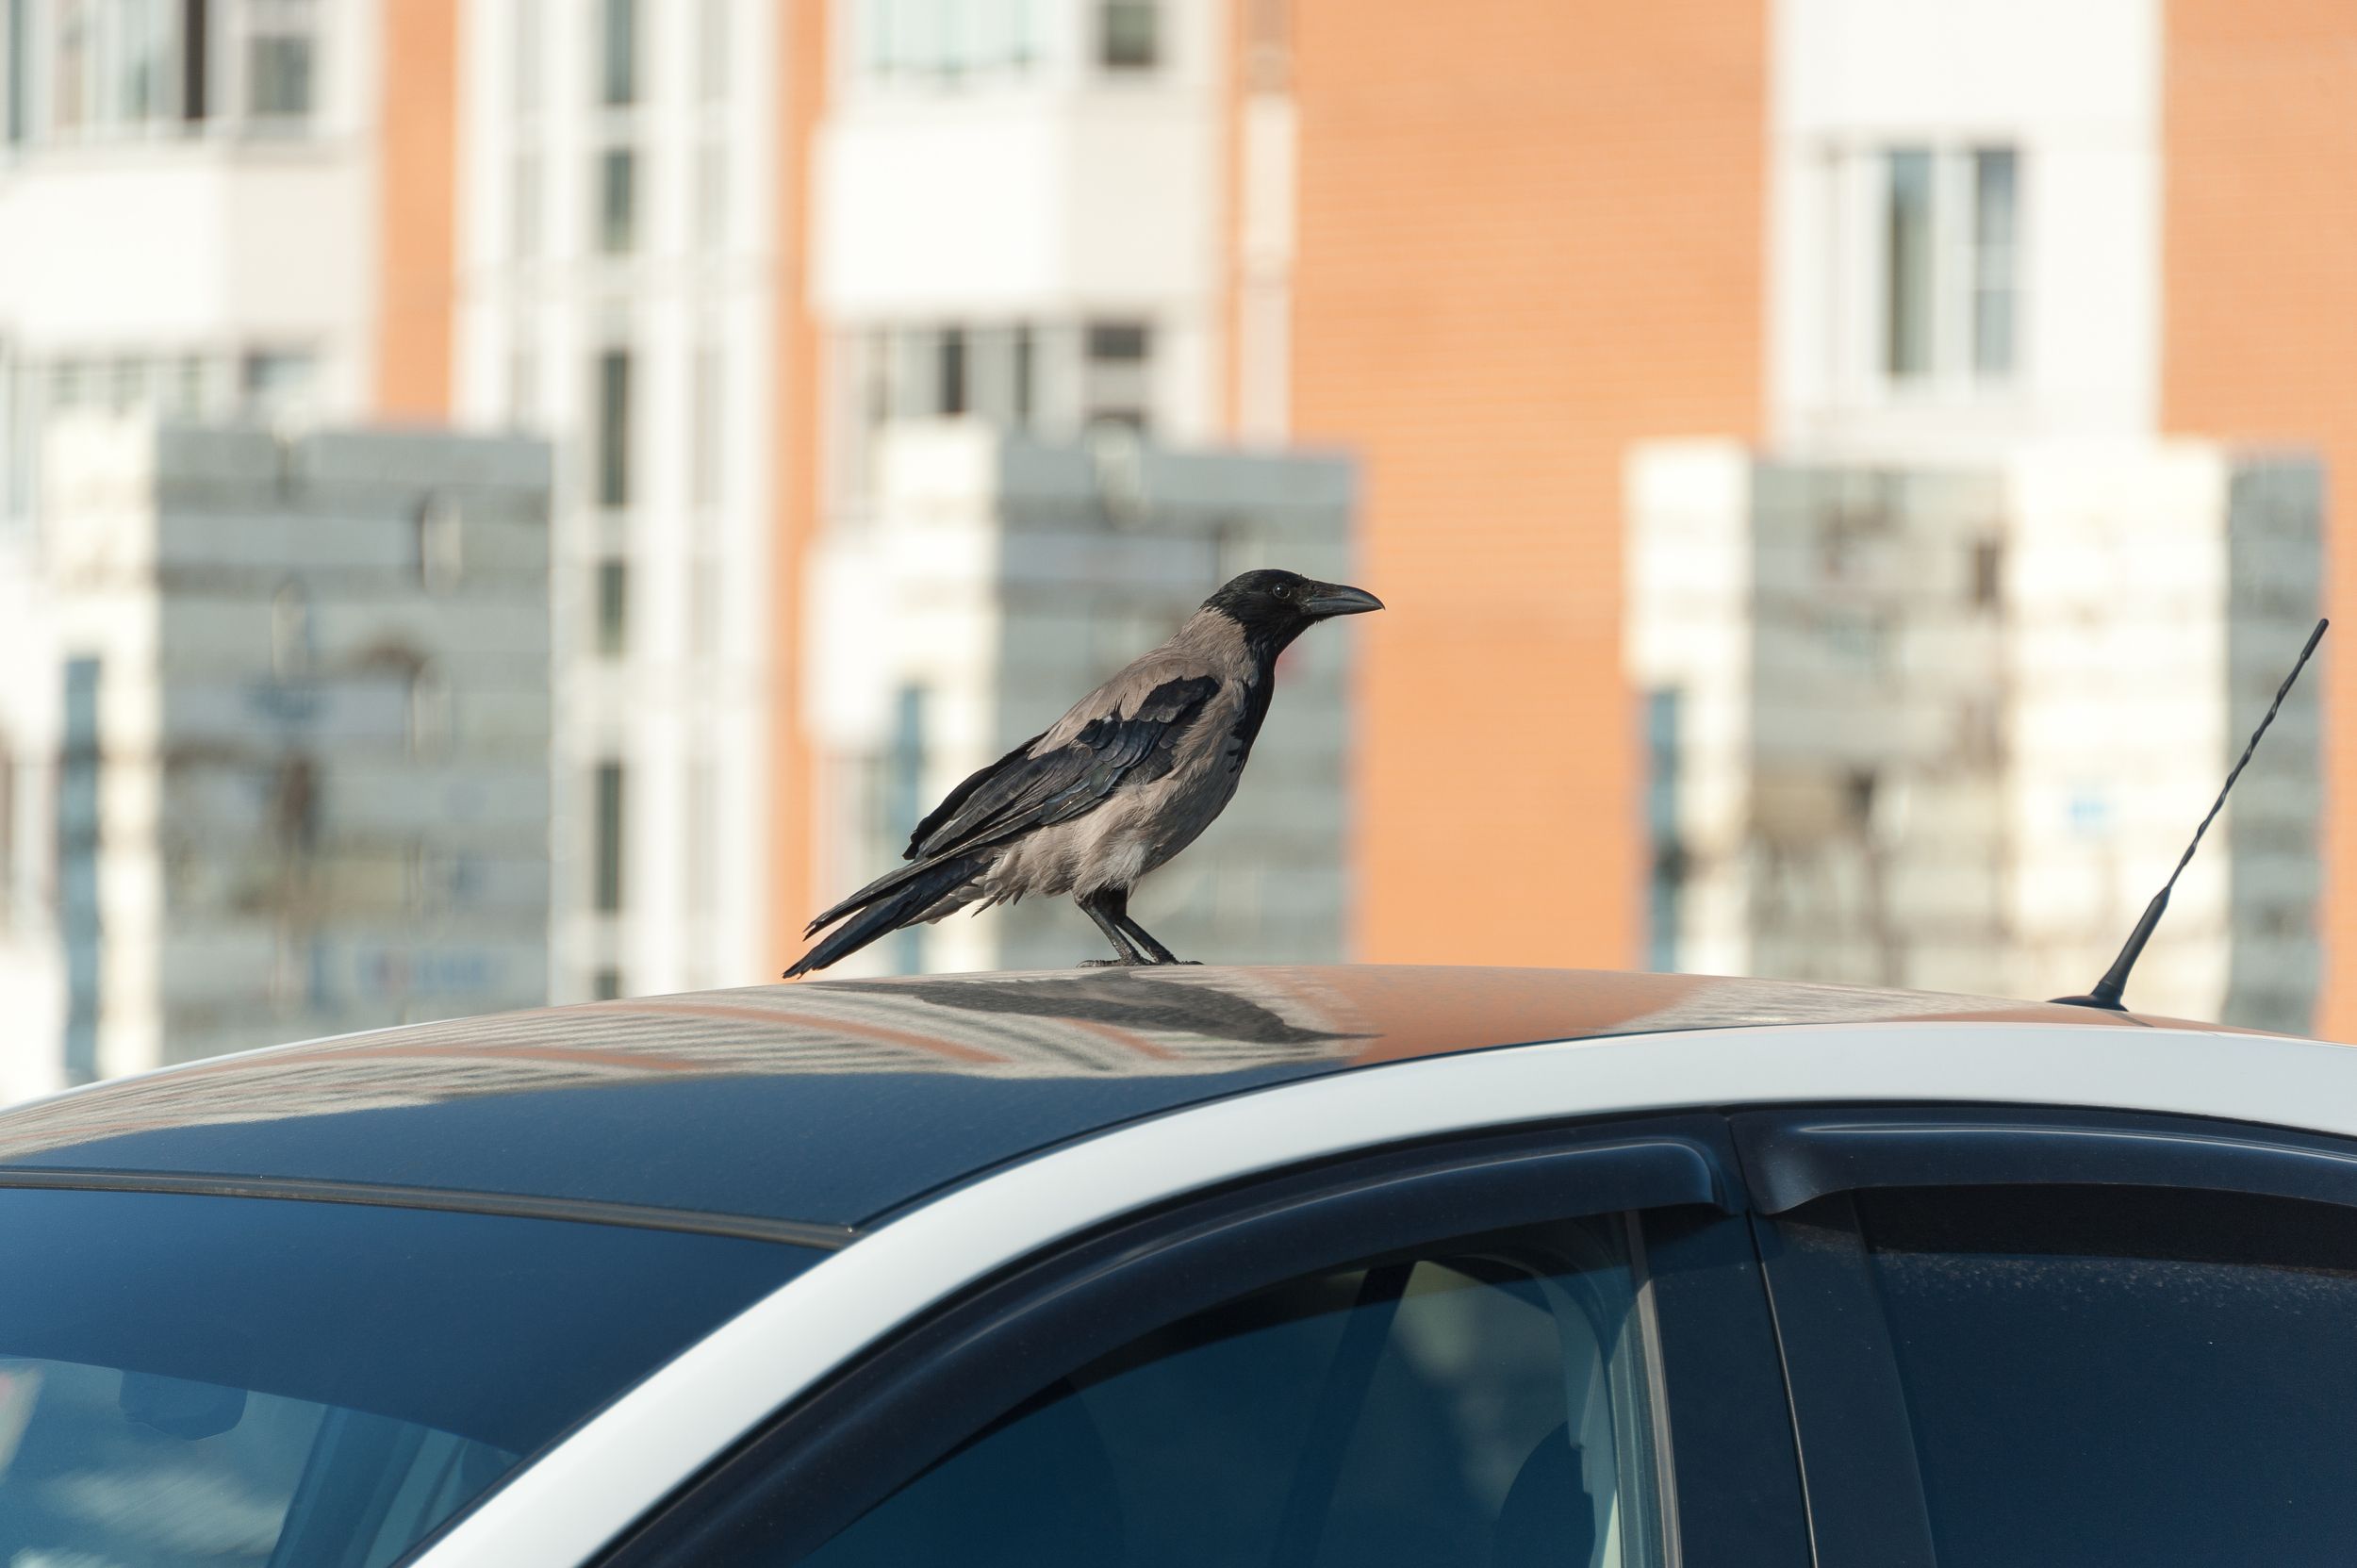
[(193, 1380), (1452, 1409), (2125, 1375)]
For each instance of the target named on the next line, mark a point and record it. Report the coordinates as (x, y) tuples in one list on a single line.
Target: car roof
[(802, 1112)]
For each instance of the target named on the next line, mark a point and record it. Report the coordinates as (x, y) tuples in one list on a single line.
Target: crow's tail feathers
[(887, 904)]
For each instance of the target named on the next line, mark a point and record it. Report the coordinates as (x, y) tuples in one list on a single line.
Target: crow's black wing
[(1021, 791), (958, 797)]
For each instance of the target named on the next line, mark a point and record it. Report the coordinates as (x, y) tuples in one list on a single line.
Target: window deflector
[(849, 1442), (1793, 1156)]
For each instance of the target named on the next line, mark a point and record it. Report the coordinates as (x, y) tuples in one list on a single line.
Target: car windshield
[(196, 1380)]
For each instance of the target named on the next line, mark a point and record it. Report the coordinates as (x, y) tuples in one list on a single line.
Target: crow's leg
[(1139, 936), (1108, 907)]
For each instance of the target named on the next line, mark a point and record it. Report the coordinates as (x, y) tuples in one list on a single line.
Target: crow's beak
[(1333, 599)]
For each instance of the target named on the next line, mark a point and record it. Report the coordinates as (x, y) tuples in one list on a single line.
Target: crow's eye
[(1283, 590)]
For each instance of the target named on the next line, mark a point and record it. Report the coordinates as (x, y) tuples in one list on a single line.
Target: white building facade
[(619, 246), (278, 714), (1940, 681), (187, 223)]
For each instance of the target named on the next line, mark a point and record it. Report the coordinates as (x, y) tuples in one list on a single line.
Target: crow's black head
[(1274, 607)]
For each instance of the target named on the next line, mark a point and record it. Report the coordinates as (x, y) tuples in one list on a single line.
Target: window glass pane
[(1479, 1409), (276, 383), (952, 373), (2123, 1374), (14, 43), (279, 48), (613, 428), (617, 51), (1129, 37), (196, 52), (608, 871), (176, 1371), (617, 209), (1995, 217), (613, 607), (1907, 262)]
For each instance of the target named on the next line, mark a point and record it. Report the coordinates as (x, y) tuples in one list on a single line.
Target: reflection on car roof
[(836, 1102)]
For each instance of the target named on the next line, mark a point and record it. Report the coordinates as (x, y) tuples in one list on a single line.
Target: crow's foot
[(1115, 964)]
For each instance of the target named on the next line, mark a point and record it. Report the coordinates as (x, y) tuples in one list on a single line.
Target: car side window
[(1483, 1405), (2121, 1374)]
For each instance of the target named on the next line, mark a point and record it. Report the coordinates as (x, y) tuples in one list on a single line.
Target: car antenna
[(2107, 990)]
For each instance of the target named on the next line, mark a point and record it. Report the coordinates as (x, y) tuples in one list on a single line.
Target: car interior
[(1481, 1405)]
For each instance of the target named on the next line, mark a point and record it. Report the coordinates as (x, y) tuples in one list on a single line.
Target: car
[(1271, 1265)]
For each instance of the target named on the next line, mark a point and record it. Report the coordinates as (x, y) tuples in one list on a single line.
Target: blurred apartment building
[(1901, 435), (185, 219), (1944, 664), (750, 261), (617, 255), (286, 705), (1510, 259), (1839, 265)]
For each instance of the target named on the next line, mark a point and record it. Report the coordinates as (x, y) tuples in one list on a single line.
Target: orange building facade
[(1512, 266), (2260, 337)]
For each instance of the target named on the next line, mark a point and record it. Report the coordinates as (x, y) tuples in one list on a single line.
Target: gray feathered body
[(1131, 775), (1136, 829)]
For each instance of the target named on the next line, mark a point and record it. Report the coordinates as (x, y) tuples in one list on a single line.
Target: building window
[(606, 985), (941, 44), (613, 428), (280, 44), (1949, 230), (275, 381), (197, 57), (613, 606), (951, 372), (78, 848), (12, 84), (1129, 35), (617, 200), (1995, 200), (1116, 375), (618, 52), (606, 871), (1907, 269)]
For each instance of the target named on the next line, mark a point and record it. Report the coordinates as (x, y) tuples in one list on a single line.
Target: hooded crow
[(1125, 780)]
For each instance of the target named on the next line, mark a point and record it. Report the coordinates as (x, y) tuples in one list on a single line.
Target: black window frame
[(1804, 1168), (1731, 1482)]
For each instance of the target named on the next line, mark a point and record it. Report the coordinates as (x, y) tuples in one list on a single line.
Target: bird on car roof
[(1125, 780)]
